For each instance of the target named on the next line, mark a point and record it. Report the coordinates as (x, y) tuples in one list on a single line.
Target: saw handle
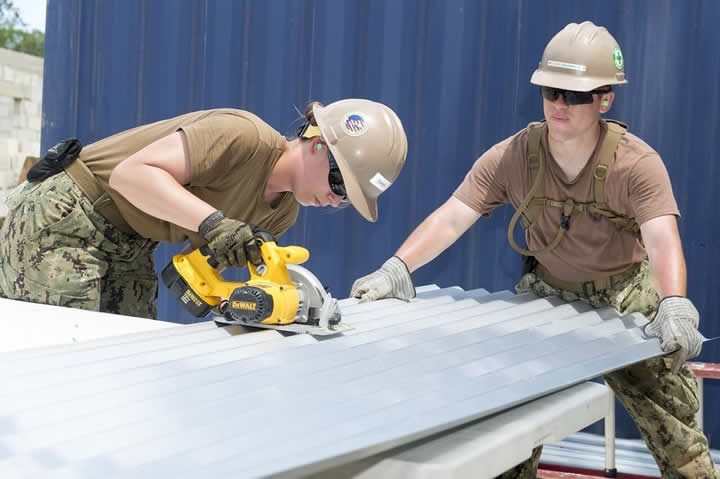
[(263, 235), (205, 251), (260, 236), (274, 260)]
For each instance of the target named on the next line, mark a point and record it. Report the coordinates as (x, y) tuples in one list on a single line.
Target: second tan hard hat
[(369, 144), (581, 57)]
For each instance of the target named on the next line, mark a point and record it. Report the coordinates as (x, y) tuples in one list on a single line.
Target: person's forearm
[(155, 192), (425, 243), (669, 271), (439, 230), (665, 254)]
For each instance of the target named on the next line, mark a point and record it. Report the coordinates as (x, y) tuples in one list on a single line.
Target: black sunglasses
[(569, 96), (337, 184)]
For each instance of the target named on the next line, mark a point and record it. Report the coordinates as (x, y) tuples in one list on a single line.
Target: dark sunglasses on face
[(569, 96), (337, 184), (335, 179)]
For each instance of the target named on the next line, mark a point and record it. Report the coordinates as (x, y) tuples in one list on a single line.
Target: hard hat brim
[(566, 81), (367, 207)]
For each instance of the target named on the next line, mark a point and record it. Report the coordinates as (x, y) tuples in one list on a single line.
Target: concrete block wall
[(21, 79)]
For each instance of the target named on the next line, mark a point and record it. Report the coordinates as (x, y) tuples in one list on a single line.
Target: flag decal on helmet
[(354, 124)]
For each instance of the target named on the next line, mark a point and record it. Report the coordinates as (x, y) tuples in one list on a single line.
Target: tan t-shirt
[(637, 186), (232, 153)]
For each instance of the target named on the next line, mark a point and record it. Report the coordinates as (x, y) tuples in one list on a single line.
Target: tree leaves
[(13, 33)]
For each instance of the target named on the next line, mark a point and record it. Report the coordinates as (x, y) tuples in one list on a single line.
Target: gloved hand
[(392, 280), (232, 242), (676, 324)]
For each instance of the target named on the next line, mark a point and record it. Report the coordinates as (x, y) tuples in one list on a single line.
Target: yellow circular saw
[(279, 294)]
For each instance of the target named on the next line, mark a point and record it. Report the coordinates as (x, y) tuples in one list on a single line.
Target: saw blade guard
[(317, 306)]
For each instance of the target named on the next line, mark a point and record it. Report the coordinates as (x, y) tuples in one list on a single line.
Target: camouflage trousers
[(663, 405), (56, 249)]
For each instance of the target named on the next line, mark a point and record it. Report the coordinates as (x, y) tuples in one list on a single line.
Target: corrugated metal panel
[(457, 73), (212, 404)]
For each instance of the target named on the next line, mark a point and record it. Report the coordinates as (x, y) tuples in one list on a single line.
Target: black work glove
[(232, 242)]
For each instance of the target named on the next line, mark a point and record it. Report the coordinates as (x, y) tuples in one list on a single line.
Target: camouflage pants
[(55, 249), (663, 405)]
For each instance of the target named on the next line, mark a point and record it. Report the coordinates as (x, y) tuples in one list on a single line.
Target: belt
[(585, 287), (93, 189)]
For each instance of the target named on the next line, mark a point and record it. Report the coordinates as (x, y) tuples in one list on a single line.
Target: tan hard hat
[(581, 58), (368, 142)]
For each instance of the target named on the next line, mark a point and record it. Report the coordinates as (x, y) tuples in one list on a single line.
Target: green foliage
[(9, 15), (13, 33)]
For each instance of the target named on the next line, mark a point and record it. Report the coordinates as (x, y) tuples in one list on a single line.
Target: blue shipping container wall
[(456, 72)]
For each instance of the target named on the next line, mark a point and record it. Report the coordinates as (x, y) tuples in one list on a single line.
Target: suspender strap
[(606, 155), (529, 210), (536, 172)]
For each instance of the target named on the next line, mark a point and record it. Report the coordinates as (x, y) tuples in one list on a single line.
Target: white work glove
[(392, 280), (676, 324)]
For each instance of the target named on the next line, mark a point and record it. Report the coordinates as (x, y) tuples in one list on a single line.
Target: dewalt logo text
[(246, 305), (190, 296)]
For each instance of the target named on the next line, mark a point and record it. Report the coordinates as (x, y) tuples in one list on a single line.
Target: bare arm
[(667, 262), (677, 319), (152, 180), (439, 230)]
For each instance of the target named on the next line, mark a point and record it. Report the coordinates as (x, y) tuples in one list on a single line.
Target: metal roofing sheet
[(206, 402)]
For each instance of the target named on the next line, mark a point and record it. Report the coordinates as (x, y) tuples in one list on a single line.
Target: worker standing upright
[(600, 222)]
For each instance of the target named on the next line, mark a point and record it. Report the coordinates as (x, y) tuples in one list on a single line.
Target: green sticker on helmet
[(618, 58)]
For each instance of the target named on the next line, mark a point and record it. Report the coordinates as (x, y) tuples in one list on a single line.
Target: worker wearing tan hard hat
[(581, 58), (367, 141), (600, 226), (215, 178)]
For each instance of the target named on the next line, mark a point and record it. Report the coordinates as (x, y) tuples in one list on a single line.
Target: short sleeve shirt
[(232, 154), (637, 186)]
